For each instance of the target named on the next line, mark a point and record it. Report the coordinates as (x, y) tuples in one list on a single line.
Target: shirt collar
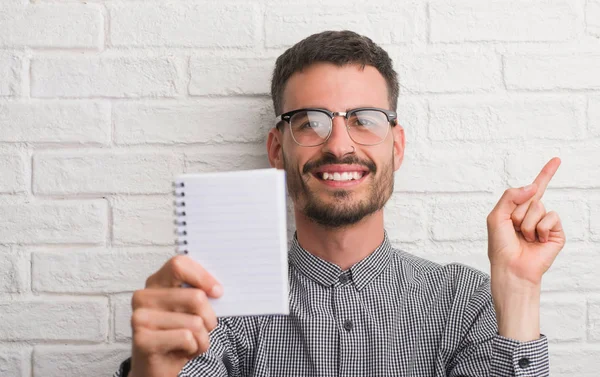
[(328, 274)]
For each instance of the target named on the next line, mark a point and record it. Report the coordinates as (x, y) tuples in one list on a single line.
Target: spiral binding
[(180, 218)]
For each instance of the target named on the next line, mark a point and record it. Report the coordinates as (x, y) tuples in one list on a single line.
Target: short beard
[(344, 214)]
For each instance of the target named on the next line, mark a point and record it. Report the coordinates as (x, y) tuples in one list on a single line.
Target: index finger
[(181, 270), (545, 176)]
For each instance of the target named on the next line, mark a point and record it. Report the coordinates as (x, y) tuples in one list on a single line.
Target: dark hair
[(337, 47)]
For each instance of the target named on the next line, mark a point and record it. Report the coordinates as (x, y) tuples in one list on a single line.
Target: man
[(358, 307)]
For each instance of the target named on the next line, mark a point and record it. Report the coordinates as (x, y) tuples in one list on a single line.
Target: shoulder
[(418, 271)]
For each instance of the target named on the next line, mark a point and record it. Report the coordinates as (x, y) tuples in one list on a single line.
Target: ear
[(399, 145), (274, 148)]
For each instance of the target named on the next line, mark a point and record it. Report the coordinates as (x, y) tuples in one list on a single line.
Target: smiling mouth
[(345, 176)]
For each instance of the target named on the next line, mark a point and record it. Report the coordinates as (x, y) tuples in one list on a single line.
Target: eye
[(364, 121), (311, 124)]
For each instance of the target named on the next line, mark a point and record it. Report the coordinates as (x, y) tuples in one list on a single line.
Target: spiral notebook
[(234, 225)]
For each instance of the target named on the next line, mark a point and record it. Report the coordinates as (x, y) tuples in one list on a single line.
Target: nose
[(339, 143)]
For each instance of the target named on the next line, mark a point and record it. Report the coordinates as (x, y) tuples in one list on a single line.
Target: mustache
[(330, 160)]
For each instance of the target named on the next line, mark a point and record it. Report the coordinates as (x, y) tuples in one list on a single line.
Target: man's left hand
[(523, 242)]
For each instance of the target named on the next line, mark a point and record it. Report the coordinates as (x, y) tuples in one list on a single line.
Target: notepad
[(234, 225)]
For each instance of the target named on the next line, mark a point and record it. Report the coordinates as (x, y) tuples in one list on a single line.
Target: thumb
[(511, 199)]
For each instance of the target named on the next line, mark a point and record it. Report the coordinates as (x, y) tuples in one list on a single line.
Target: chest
[(344, 332)]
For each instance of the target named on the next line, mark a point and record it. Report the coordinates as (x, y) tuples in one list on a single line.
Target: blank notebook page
[(234, 225)]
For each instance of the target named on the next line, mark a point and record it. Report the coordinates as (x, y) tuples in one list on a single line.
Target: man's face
[(335, 203)]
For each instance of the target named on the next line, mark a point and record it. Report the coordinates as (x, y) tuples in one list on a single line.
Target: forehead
[(335, 88)]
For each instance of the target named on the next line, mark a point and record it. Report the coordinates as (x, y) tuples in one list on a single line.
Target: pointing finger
[(545, 176)]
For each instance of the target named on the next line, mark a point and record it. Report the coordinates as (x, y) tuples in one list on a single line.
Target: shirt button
[(348, 325), (523, 362), (344, 279)]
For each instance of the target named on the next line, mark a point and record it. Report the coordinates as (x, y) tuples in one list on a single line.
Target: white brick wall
[(102, 103)]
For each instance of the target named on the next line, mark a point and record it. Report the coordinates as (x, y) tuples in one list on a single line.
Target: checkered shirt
[(392, 314)]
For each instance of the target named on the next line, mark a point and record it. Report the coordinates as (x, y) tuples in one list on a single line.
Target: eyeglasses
[(312, 127)]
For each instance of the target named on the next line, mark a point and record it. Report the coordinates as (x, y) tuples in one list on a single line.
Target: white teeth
[(345, 176)]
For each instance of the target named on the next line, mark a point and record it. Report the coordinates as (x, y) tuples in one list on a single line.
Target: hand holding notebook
[(234, 225)]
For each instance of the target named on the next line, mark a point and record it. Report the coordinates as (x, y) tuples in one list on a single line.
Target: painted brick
[(75, 361), (574, 360), (122, 317), (552, 71), (105, 77), (51, 25), (204, 24), (449, 170), (468, 253), (53, 222), (505, 21), (58, 320), (594, 115), (14, 361), (448, 72), (209, 121), (15, 266), (11, 66), (55, 122), (460, 219), (384, 22), (524, 165), (101, 172), (505, 119), (404, 219), (226, 76), (574, 270), (563, 319), (592, 17), (223, 158), (143, 221), (593, 320), (12, 171), (95, 270), (595, 219)]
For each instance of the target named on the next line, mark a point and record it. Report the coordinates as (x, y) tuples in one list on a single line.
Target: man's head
[(338, 171)]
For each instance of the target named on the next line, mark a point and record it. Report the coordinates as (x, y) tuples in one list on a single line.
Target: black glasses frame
[(392, 118)]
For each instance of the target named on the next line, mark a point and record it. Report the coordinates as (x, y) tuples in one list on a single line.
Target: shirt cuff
[(525, 359)]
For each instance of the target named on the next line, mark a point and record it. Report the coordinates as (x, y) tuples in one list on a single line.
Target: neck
[(345, 246)]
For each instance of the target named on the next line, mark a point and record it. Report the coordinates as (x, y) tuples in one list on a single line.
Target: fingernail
[(216, 291)]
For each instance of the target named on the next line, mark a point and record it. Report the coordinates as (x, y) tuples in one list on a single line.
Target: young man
[(358, 307)]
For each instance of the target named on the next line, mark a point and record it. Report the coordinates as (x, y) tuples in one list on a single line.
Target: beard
[(344, 211)]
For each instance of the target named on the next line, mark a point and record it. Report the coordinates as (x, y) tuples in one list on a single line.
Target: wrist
[(517, 305)]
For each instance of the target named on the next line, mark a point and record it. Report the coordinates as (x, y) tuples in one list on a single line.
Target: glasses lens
[(368, 126), (310, 128)]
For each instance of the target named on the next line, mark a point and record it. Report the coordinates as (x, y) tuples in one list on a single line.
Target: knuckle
[(176, 265), (139, 318), (199, 298), (197, 322), (150, 280), (187, 337), (137, 299)]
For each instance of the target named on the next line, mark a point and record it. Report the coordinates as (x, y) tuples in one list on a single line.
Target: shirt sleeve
[(224, 357), (483, 352)]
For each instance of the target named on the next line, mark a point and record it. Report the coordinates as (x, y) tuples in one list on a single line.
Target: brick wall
[(103, 102)]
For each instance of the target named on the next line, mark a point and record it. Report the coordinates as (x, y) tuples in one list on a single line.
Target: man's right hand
[(171, 324)]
